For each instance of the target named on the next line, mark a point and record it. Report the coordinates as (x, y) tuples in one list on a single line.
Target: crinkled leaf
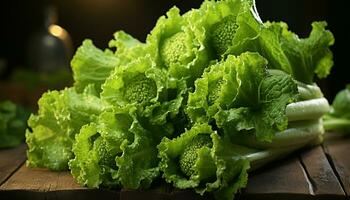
[(84, 167), (127, 47), (91, 65), (300, 57), (61, 115), (123, 153), (230, 169), (178, 44), (138, 165), (231, 83), (240, 95), (147, 87), (233, 25)]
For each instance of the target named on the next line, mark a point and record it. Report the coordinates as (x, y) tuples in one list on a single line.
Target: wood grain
[(337, 148), (320, 174), (37, 183), (41, 180), (10, 160), (285, 180)]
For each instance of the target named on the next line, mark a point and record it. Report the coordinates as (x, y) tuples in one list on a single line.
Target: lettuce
[(300, 57), (12, 124), (91, 65), (51, 132), (114, 151), (233, 25), (239, 94), (142, 84), (211, 93), (178, 44)]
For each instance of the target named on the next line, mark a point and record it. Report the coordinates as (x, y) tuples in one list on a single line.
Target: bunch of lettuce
[(210, 95), (12, 124)]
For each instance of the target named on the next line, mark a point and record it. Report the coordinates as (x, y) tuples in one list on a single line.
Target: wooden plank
[(38, 179), (159, 190), (10, 161), (321, 175), (337, 148), (37, 183), (189, 194), (285, 180), (90, 194)]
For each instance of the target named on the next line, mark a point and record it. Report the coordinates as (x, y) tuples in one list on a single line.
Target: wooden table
[(322, 172)]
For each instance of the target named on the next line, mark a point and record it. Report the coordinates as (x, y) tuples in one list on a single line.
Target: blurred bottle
[(50, 47)]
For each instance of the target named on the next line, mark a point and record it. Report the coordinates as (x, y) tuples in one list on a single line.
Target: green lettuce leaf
[(127, 47), (232, 25), (211, 163), (51, 134), (12, 124), (231, 83), (142, 84), (91, 65), (300, 57), (239, 94), (85, 165), (178, 44), (115, 151)]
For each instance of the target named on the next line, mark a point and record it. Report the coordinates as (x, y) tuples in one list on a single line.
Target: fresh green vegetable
[(60, 117), (12, 124), (90, 65), (178, 44), (222, 34), (233, 26), (338, 119), (115, 151), (245, 96), (142, 84), (212, 94), (191, 152), (300, 57), (203, 160)]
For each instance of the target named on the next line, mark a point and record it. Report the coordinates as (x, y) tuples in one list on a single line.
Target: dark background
[(99, 19)]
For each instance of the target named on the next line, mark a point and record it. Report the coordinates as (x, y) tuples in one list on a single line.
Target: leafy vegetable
[(115, 151), (233, 25), (90, 65), (142, 84), (52, 130), (240, 94), (300, 57), (178, 43), (338, 119), (201, 159), (211, 94), (12, 124)]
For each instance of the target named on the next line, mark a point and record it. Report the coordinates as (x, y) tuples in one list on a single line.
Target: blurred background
[(39, 37)]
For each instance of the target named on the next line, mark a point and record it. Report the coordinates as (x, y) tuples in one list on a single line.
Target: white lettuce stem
[(307, 110), (296, 134), (331, 124), (258, 159), (307, 91)]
